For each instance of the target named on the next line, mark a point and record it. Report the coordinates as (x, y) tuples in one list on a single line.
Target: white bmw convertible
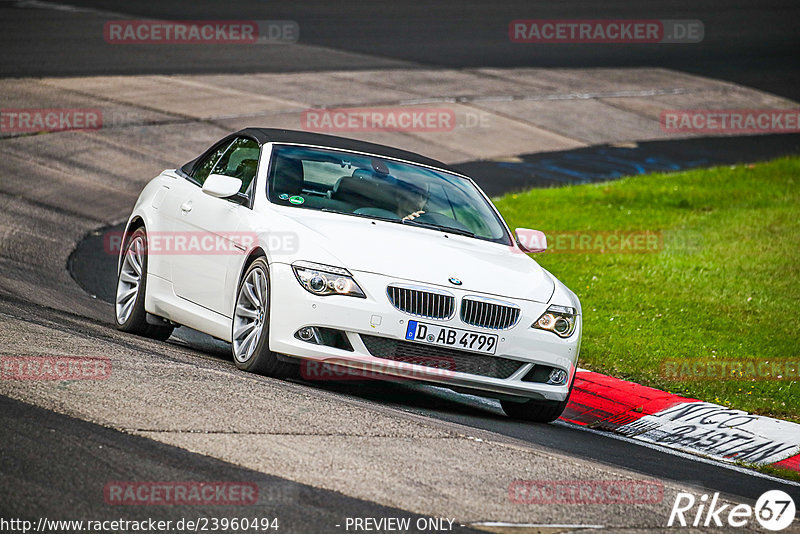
[(306, 250)]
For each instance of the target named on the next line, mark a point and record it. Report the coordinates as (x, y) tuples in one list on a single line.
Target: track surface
[(751, 43), (46, 456), (606, 162)]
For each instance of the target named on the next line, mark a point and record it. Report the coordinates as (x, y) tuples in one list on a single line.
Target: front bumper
[(293, 307)]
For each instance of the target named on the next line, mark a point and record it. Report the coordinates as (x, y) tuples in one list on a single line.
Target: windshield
[(381, 188)]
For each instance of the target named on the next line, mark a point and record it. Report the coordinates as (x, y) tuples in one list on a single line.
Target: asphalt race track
[(323, 452), (99, 453), (754, 44)]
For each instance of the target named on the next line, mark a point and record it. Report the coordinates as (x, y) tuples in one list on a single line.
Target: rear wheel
[(250, 328), (129, 313)]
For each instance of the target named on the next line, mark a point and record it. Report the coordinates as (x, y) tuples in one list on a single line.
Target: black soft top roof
[(274, 135)]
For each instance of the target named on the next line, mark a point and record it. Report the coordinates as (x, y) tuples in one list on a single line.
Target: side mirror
[(531, 240), (221, 186)]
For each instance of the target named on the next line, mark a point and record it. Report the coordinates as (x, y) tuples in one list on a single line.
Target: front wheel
[(129, 313), (538, 411), (250, 328)]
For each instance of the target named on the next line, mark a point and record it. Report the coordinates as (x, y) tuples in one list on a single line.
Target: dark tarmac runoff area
[(753, 44), (328, 456)]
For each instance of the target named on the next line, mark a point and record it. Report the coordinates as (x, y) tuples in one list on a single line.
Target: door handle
[(186, 207)]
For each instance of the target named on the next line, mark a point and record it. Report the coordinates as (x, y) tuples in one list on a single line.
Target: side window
[(202, 170), (240, 160)]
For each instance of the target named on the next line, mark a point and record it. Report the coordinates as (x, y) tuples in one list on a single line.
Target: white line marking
[(546, 97), (40, 4), (780, 438), (529, 525)]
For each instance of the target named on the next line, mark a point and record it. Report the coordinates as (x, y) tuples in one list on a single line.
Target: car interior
[(363, 192)]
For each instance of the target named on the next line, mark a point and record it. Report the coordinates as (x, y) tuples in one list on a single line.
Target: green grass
[(774, 471), (724, 286)]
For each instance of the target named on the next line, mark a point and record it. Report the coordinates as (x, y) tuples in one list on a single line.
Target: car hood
[(418, 255)]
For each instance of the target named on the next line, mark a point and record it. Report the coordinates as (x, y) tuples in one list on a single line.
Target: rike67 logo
[(774, 510)]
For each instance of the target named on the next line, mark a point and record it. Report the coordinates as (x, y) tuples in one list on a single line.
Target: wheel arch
[(134, 223), (252, 256)]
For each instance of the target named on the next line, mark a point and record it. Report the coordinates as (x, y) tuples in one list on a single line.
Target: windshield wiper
[(363, 215), (447, 229)]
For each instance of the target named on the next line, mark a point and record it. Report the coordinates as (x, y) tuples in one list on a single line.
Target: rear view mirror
[(531, 240), (221, 186)]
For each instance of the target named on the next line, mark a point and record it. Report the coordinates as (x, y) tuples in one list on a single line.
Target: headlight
[(326, 280), (561, 320)]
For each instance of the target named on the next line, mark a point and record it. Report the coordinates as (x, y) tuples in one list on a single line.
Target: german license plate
[(455, 338)]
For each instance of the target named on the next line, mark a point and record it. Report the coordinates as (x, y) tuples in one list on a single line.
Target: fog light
[(328, 337), (307, 333), (557, 377)]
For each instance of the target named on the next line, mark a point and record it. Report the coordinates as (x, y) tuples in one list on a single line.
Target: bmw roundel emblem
[(455, 281)]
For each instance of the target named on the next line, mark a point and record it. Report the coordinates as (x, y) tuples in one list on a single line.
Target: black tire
[(538, 411), (260, 359), (135, 321)]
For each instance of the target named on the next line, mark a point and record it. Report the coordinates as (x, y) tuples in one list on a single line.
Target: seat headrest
[(247, 168), (364, 193)]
